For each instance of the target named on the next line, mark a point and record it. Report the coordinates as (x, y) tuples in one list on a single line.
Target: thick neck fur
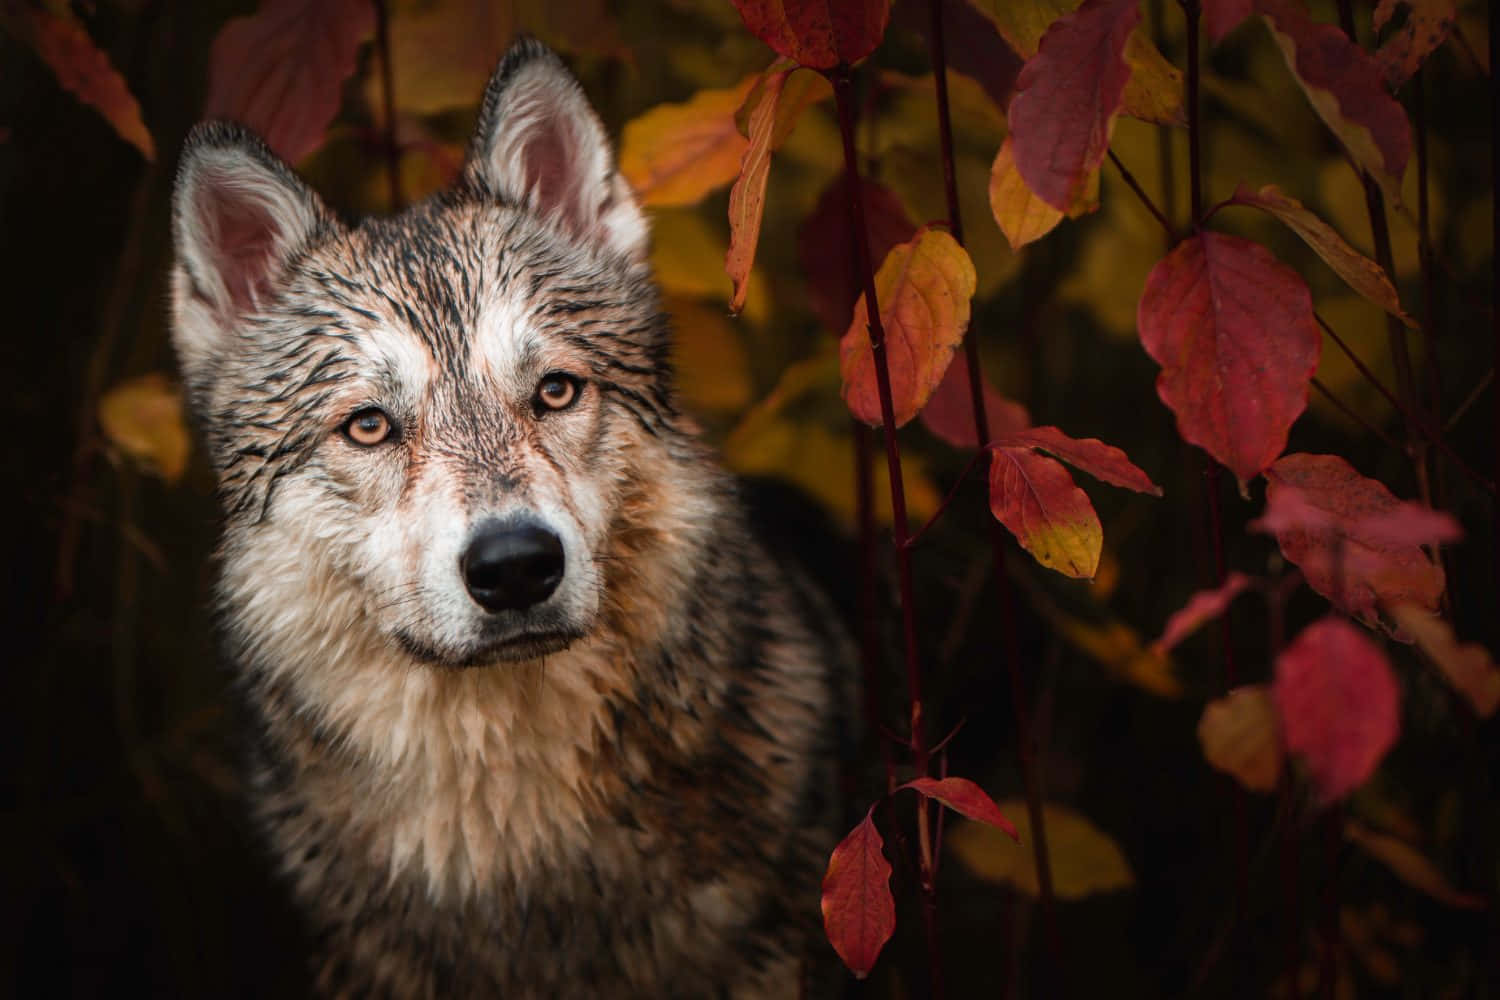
[(468, 779)]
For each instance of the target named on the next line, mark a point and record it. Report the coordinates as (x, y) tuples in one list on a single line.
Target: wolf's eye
[(368, 427), (557, 391)]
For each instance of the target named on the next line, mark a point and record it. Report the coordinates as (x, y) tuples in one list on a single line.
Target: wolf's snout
[(508, 567)]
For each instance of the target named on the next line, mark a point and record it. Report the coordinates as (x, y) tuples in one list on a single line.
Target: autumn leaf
[(923, 289), (85, 72), (825, 249), (859, 913), (1468, 666), (675, 154), (1201, 608), (1021, 215), (708, 358), (1067, 96), (1358, 271), (1035, 498), (1233, 330), (770, 113), (965, 798), (1338, 702), (1085, 861), (1241, 737), (1410, 866), (1345, 85), (818, 34), (142, 417), (1332, 523), (1154, 91), (1102, 461), (1427, 25), (950, 412)]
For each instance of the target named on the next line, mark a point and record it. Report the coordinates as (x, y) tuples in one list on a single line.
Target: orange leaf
[(1468, 666), (281, 71), (818, 34), (675, 154), (859, 914), (1326, 518), (923, 289), (142, 417), (1022, 216), (1035, 498), (1240, 737), (1233, 329), (85, 72), (1360, 272), (773, 107)]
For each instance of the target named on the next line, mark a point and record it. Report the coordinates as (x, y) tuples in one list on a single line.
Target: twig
[(388, 104)]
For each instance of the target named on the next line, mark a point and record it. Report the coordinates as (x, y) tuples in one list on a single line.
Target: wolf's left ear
[(539, 144)]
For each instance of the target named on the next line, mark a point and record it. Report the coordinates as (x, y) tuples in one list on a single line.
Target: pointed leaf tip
[(859, 913), (966, 798)]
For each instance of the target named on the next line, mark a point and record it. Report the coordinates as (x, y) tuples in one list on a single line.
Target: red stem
[(843, 97), (1021, 711)]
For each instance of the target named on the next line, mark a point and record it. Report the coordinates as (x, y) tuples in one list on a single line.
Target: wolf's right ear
[(238, 215)]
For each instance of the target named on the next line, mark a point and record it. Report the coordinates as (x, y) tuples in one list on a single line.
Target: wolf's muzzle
[(510, 566)]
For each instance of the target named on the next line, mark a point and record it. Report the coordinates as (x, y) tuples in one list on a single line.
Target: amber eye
[(368, 427), (556, 391)]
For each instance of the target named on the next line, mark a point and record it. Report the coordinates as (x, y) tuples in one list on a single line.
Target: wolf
[(531, 711)]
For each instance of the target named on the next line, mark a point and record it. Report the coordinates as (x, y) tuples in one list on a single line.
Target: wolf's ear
[(539, 144), (238, 215)]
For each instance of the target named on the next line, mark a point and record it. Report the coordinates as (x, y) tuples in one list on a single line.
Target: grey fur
[(462, 806)]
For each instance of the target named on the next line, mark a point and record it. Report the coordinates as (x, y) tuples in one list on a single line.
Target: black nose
[(510, 567)]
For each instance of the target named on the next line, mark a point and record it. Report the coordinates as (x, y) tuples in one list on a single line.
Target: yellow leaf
[(923, 289), (1468, 666), (675, 154), (1241, 737), (687, 254), (142, 417), (1084, 860), (1021, 215), (712, 365), (1410, 866)]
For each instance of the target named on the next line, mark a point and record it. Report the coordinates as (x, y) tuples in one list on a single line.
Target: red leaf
[(1427, 25), (1233, 329), (826, 251), (1351, 538), (1035, 498), (1067, 96), (1339, 704), (818, 34), (1221, 17), (85, 72), (1409, 524), (859, 914), (1100, 460), (281, 71), (923, 289), (1201, 608), (950, 412), (1345, 85), (964, 797)]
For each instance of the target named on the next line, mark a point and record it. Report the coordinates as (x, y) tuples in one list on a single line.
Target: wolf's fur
[(622, 791)]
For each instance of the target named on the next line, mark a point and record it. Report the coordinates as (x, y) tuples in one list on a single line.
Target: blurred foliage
[(129, 868)]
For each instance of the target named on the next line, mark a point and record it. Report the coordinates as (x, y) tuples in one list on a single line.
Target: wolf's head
[(427, 424)]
